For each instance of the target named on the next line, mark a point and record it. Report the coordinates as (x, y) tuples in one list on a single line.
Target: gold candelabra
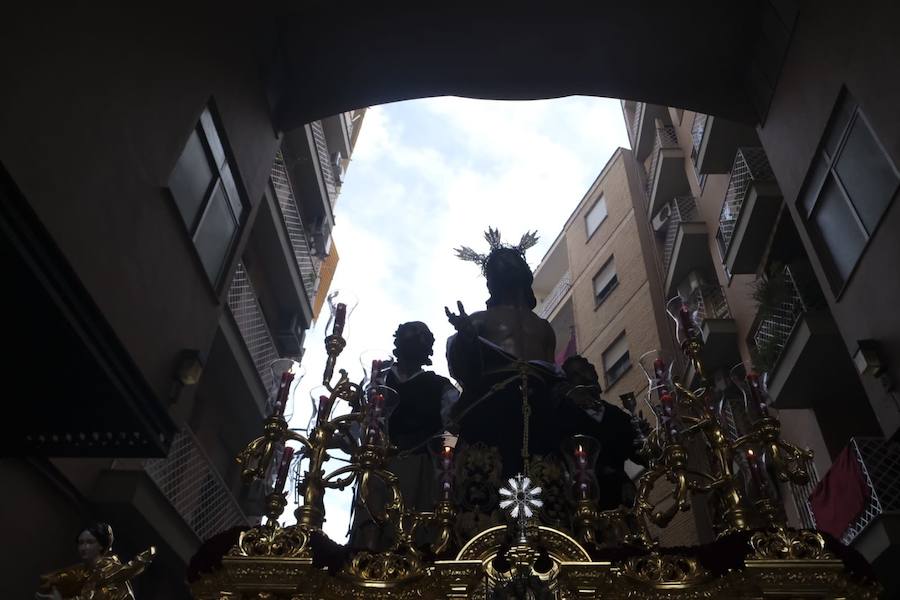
[(362, 434), (687, 419)]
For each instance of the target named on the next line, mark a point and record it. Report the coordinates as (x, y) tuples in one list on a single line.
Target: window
[(595, 216), (206, 194), (605, 281), (616, 360), (849, 187)]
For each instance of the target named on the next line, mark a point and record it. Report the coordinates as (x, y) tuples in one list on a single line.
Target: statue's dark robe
[(495, 416)]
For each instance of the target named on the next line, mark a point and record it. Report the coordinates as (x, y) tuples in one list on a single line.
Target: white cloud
[(430, 175)]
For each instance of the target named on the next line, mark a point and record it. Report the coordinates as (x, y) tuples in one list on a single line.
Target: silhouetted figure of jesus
[(497, 350)]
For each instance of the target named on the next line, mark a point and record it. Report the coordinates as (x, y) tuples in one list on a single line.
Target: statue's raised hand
[(461, 322)]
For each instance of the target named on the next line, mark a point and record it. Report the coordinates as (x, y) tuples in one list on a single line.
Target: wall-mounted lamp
[(867, 359), (189, 367)]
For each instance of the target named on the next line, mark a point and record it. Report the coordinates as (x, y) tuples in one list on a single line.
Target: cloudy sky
[(429, 175)]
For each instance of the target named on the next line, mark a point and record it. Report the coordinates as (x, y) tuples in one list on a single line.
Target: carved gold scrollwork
[(288, 542), (664, 571), (383, 567), (788, 544)]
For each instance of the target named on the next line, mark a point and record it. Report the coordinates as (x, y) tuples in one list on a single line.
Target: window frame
[(222, 165), (609, 287), (812, 187), (611, 381), (590, 234)]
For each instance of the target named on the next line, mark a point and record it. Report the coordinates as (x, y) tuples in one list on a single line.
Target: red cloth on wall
[(568, 351), (840, 497)]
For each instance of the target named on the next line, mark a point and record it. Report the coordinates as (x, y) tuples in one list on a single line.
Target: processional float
[(534, 551)]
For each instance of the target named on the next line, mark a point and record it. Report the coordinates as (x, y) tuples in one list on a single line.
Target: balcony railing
[(318, 132), (750, 164), (348, 121), (709, 302), (665, 138), (800, 493), (698, 127), (244, 307), (680, 210), (879, 461), (635, 123), (774, 328), (306, 264), (190, 484), (555, 296)]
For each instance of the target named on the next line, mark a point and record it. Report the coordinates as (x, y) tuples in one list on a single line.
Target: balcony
[(307, 264), (875, 532), (193, 487), (717, 326), (685, 246), (326, 164), (555, 297), (179, 501), (244, 307), (308, 166), (640, 119), (715, 141), (666, 177), (96, 400), (796, 342), (338, 131), (749, 211)]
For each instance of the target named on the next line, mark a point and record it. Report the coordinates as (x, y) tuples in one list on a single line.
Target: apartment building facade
[(729, 244), (165, 241), (599, 287)]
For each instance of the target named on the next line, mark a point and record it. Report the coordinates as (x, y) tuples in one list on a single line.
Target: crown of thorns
[(492, 236)]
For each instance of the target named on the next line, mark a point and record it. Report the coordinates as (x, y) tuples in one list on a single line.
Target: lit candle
[(756, 394), (581, 468), (659, 369), (684, 317), (446, 475), (376, 406), (284, 389), (668, 403), (325, 404), (340, 316), (580, 456), (376, 369), (284, 468), (754, 470)]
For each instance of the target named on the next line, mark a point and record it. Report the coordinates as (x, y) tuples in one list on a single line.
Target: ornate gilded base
[(773, 563)]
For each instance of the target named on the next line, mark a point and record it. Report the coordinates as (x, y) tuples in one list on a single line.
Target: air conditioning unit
[(320, 239), (662, 217), (337, 166)]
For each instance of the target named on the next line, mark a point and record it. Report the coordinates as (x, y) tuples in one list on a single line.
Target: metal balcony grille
[(318, 132), (249, 317), (879, 460), (750, 164), (194, 489), (635, 123), (775, 328), (728, 420), (555, 296), (665, 138), (710, 303), (348, 120), (681, 209), (801, 492), (306, 264), (698, 127)]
